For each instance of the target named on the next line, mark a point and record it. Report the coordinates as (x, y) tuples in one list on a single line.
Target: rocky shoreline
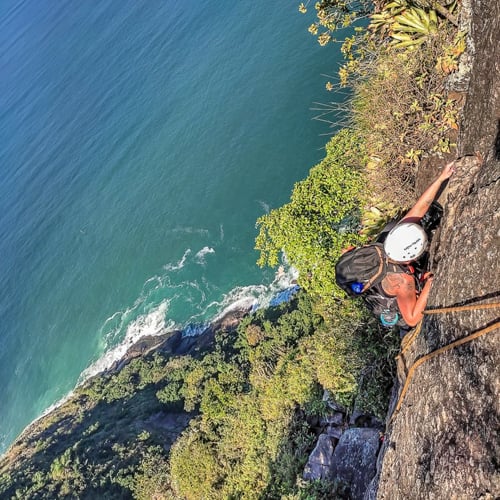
[(176, 342)]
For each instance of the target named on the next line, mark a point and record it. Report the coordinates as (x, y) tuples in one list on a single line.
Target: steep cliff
[(444, 442), (112, 437)]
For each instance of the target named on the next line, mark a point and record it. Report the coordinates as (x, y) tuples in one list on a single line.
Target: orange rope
[(462, 308), (435, 353), (408, 340)]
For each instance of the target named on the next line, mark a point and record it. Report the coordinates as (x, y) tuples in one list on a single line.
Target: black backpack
[(365, 266), (359, 273)]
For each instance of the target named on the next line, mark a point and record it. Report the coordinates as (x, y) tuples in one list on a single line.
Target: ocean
[(140, 141)]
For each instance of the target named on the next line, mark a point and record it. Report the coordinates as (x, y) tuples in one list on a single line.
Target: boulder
[(352, 463), (320, 460), (336, 418), (334, 431), (354, 460)]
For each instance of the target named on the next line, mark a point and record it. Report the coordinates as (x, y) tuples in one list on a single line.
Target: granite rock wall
[(444, 442)]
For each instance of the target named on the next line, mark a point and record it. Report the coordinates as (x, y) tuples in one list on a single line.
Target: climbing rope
[(409, 339), (470, 307), (439, 351)]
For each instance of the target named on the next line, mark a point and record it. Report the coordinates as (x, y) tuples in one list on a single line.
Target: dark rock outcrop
[(346, 450), (319, 465), (444, 441), (354, 460), (176, 342), (350, 460)]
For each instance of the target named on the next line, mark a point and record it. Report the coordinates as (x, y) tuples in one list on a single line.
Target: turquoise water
[(140, 143)]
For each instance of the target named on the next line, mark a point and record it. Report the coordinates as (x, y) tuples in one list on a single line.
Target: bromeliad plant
[(395, 66), (412, 27), (410, 24)]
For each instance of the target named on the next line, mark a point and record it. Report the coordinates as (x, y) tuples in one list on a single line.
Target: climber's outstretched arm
[(428, 196)]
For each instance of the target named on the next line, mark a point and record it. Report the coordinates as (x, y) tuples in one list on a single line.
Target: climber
[(404, 244)]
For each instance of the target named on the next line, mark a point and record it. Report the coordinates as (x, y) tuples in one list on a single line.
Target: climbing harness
[(408, 342)]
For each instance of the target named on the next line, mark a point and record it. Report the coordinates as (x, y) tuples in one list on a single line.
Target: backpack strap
[(381, 269)]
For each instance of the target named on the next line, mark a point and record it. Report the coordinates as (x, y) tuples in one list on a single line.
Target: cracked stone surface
[(444, 442)]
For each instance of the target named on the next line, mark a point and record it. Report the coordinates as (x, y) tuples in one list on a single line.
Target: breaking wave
[(150, 324), (200, 256), (149, 316)]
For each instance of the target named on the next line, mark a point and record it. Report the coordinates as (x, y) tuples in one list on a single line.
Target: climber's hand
[(428, 277), (447, 171)]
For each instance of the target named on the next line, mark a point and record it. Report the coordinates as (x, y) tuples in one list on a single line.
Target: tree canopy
[(320, 219)]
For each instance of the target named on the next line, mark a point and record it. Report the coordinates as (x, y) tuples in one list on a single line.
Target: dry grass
[(401, 111)]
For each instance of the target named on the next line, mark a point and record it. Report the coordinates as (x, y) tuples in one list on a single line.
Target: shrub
[(152, 478), (402, 113), (254, 334), (248, 434), (320, 220), (194, 467)]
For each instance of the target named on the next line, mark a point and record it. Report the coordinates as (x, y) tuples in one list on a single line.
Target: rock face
[(354, 459), (343, 454), (444, 442)]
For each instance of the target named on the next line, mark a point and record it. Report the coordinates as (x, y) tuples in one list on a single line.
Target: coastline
[(179, 342), (175, 342)]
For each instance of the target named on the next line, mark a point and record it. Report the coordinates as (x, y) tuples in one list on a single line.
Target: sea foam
[(179, 264), (150, 324), (156, 321), (245, 298), (200, 256)]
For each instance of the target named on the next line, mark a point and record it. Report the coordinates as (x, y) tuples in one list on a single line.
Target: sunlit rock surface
[(444, 442)]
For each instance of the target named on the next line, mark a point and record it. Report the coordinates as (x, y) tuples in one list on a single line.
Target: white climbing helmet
[(405, 242)]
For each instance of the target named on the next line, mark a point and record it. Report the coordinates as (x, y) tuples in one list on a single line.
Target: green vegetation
[(245, 401), (103, 441), (258, 389), (402, 113), (334, 15), (321, 218), (231, 421), (396, 67)]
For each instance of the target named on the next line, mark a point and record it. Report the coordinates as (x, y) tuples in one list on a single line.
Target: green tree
[(320, 219), (194, 467), (152, 478)]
